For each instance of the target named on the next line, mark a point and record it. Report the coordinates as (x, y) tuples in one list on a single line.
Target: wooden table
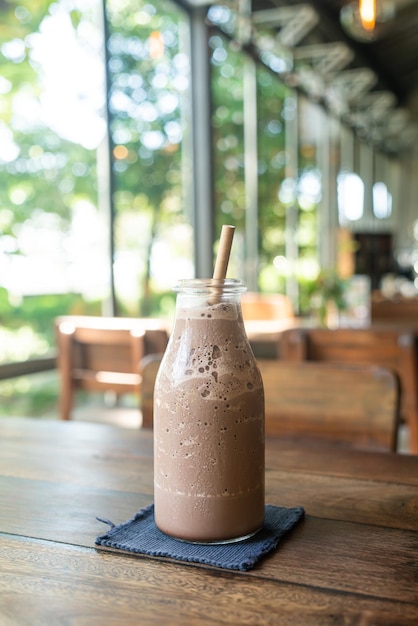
[(352, 561)]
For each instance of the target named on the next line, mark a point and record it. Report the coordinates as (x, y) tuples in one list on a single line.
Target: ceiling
[(372, 86), (393, 56), (391, 59)]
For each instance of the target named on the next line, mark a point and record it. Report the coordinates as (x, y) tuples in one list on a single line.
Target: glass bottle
[(209, 420)]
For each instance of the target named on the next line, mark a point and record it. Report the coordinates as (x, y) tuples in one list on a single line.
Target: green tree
[(149, 77)]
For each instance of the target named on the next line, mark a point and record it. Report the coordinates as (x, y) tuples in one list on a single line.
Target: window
[(382, 201), (53, 235), (350, 190), (149, 123)]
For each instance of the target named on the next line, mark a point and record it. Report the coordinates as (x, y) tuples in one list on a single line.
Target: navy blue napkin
[(141, 535)]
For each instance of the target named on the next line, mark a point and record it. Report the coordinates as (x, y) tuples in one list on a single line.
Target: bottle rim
[(209, 285)]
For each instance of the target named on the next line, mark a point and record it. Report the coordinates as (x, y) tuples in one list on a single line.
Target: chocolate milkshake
[(209, 421)]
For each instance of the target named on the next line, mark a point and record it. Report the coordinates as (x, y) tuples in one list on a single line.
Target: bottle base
[(215, 542)]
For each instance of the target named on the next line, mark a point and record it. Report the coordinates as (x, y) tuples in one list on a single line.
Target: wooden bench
[(98, 354), (354, 405), (391, 348)]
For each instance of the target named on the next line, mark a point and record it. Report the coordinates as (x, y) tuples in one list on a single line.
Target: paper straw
[(224, 250)]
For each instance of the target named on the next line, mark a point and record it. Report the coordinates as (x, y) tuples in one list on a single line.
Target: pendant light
[(367, 20), (367, 11)]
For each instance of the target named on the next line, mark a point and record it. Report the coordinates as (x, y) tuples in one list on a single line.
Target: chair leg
[(66, 402), (64, 368)]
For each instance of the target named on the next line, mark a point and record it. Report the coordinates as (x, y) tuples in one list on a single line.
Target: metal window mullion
[(105, 175), (292, 212), (327, 218), (251, 173), (202, 150)]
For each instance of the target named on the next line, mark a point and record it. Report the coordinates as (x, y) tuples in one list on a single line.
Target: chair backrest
[(257, 306), (390, 348), (106, 350), (100, 329), (354, 405), (103, 354), (399, 311)]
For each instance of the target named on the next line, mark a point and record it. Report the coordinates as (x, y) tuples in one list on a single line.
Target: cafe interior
[(314, 167), (162, 163)]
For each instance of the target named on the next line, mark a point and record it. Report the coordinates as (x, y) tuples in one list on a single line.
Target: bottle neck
[(210, 291)]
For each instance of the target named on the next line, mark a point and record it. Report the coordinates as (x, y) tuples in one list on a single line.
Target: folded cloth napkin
[(141, 535)]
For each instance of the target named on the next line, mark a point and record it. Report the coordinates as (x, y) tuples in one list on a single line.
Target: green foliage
[(34, 395), (272, 161), (161, 304), (45, 176), (6, 310), (48, 178), (39, 171), (145, 99), (327, 287), (38, 313), (147, 126), (228, 133), (275, 106)]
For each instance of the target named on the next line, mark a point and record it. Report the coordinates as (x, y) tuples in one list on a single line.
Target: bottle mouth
[(209, 285)]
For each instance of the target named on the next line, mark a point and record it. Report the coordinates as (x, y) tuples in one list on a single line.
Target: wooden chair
[(309, 400), (149, 368), (103, 354), (397, 311), (352, 405), (260, 306), (390, 348)]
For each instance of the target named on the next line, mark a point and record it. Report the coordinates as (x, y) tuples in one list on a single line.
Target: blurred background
[(130, 131)]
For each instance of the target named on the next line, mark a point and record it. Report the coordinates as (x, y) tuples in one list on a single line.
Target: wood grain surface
[(353, 560)]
